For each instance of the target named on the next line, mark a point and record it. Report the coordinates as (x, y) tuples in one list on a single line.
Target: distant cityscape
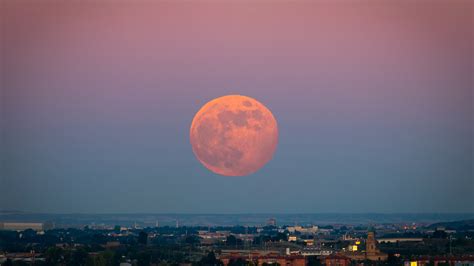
[(283, 239), (77, 220)]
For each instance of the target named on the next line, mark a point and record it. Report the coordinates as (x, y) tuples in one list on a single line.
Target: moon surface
[(234, 135)]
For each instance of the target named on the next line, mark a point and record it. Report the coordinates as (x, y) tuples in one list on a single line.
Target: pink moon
[(234, 135)]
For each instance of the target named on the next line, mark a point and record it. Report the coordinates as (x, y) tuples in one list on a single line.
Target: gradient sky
[(374, 101)]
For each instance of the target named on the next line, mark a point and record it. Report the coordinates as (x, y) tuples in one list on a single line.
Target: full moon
[(234, 135)]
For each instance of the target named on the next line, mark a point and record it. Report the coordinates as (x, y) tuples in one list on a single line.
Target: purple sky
[(373, 100)]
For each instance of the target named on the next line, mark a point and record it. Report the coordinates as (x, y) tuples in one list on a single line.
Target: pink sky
[(370, 94)]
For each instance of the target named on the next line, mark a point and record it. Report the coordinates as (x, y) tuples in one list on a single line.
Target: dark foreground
[(411, 244)]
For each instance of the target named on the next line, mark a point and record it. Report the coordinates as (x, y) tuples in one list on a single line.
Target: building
[(399, 239), (21, 226), (259, 259), (25, 257), (271, 222), (442, 260), (112, 244), (292, 238), (303, 230), (315, 251), (211, 238), (337, 260), (371, 250)]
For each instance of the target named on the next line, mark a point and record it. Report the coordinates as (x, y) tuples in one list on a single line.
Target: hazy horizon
[(78, 219), (240, 213)]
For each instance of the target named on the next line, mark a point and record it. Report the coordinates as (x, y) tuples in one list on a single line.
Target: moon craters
[(234, 135)]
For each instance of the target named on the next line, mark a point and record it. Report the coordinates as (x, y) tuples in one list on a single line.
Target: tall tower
[(371, 250), (371, 247)]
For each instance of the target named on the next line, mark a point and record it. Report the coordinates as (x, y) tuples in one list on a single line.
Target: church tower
[(371, 244)]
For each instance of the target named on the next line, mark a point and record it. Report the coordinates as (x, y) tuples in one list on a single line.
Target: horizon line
[(238, 213)]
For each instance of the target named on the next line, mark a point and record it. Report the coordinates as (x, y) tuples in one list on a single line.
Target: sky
[(374, 103)]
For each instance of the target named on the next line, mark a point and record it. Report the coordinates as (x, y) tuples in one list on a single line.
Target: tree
[(78, 257), (238, 262), (231, 240), (117, 229), (192, 240), (313, 261), (54, 255), (441, 234), (103, 259), (280, 237), (143, 238), (210, 260), (392, 260)]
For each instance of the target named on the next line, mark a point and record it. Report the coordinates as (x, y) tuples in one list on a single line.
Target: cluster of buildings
[(336, 245), (371, 251), (300, 256), (23, 226)]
